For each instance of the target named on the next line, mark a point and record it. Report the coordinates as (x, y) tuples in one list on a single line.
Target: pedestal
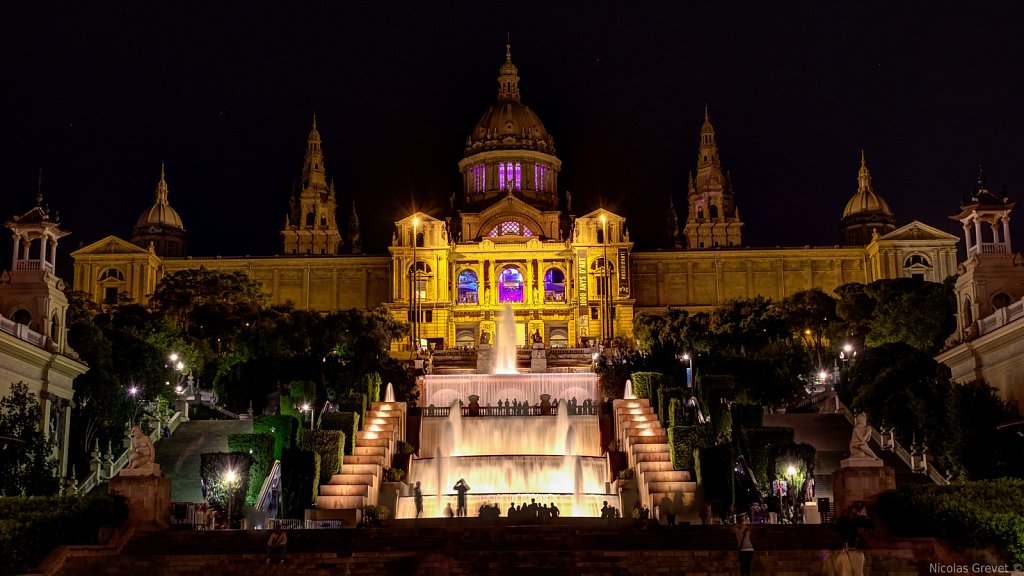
[(538, 359), (862, 483), (484, 359), (148, 496)]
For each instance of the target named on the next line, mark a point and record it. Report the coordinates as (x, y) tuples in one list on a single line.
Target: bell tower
[(311, 226), (713, 220), (990, 279)]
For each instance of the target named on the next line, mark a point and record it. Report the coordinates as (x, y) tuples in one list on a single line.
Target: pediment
[(510, 205), (109, 245), (423, 218), (917, 231)]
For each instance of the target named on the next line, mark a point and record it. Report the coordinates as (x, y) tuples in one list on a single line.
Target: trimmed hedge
[(683, 443), (31, 527), (982, 514), (760, 446), (330, 446), (353, 402), (282, 427), (372, 382), (214, 466), (714, 467), (261, 448), (347, 422), (300, 470), (665, 395)]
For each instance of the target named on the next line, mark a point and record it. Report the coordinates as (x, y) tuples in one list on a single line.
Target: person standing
[(417, 497), (746, 548), (461, 487), (277, 545)]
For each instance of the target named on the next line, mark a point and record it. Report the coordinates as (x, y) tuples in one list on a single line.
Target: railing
[(22, 332), (991, 248), (585, 409), (103, 470), (1001, 317), (894, 446), (32, 265), (272, 480)]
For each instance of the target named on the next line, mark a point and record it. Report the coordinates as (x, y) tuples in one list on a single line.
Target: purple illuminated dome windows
[(510, 228), (509, 175), (468, 288), (510, 285), (540, 177), (554, 286), (478, 181)]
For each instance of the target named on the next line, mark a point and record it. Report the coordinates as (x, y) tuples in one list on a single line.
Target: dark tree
[(27, 459)]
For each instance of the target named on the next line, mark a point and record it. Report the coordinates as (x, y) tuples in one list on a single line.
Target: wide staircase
[(645, 442), (358, 483), (470, 547)]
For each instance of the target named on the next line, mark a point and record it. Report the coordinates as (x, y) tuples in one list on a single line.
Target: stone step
[(671, 487), (341, 502), (666, 476), (374, 435), (356, 459), (652, 439), (361, 450), (371, 469), (376, 442), (353, 479), (648, 466), (345, 490)]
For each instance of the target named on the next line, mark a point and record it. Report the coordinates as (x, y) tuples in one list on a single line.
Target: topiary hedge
[(300, 471), (330, 446), (261, 448), (666, 393), (985, 514), (347, 422), (353, 402), (282, 427), (714, 468), (31, 527), (683, 442)]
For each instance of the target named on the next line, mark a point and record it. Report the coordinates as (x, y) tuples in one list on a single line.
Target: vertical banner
[(689, 377), (623, 270), (581, 265)]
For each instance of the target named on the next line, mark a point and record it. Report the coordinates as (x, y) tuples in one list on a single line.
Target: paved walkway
[(179, 455)]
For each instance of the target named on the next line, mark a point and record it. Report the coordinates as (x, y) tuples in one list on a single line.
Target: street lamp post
[(414, 294), (606, 297), (791, 504), (230, 478), (308, 407)]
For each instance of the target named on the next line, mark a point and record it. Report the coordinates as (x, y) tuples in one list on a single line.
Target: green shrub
[(300, 470), (281, 427), (353, 402), (31, 527), (666, 394), (683, 442), (747, 415), (722, 419), (714, 466), (372, 381), (261, 448), (982, 514), (347, 422), (330, 446), (214, 468), (300, 392), (759, 446)]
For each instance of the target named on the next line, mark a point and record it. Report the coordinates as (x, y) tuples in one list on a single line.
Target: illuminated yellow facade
[(511, 237)]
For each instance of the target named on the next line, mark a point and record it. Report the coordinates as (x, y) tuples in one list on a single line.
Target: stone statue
[(859, 447), (536, 338), (485, 337), (143, 453)]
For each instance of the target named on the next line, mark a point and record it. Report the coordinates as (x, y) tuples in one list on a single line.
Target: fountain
[(389, 393), (628, 394), (508, 443)]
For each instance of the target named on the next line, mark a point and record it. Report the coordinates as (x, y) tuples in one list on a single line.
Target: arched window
[(510, 285), (916, 260), (510, 228), (554, 285), (309, 219), (468, 287), (968, 316), (1000, 300), (22, 316), (422, 273), (713, 211), (112, 274)]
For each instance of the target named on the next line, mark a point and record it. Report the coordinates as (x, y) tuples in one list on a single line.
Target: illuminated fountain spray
[(389, 393), (505, 352), (628, 394), (496, 432)]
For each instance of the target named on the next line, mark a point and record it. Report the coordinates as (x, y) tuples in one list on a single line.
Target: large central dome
[(509, 124)]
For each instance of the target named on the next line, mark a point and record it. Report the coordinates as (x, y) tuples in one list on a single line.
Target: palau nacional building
[(512, 237)]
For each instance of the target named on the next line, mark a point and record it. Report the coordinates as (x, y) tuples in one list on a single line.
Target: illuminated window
[(601, 275), (540, 177), (510, 285), (554, 285), (510, 228), (422, 273), (477, 179), (916, 259), (468, 287), (509, 177)]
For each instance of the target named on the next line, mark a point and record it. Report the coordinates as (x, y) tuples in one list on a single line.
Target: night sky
[(99, 95)]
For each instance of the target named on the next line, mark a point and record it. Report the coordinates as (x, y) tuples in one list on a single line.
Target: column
[(53, 253), (42, 252), (977, 231), (14, 254), (967, 238), (1006, 234)]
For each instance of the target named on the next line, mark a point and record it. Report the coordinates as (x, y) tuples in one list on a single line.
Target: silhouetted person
[(461, 487), (417, 497), (746, 549)]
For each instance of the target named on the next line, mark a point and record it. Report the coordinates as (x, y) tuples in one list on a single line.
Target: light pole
[(414, 294), (791, 501), (307, 407), (230, 478), (606, 297), (689, 369)]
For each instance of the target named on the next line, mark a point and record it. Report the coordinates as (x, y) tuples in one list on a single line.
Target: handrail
[(109, 467), (896, 448), (268, 483)]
